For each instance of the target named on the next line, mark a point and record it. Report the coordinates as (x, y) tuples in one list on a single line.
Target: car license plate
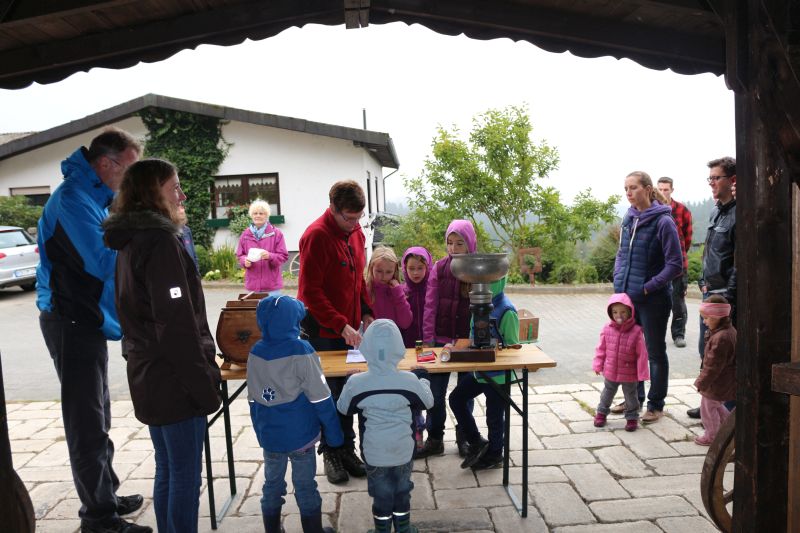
[(24, 272)]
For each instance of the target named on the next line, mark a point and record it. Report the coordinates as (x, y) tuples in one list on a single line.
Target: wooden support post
[(764, 264)]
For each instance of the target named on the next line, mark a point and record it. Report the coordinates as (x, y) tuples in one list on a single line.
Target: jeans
[(80, 356), (176, 488), (437, 415), (631, 400), (390, 488), (653, 315), (460, 399), (304, 468), (679, 313), (322, 344)]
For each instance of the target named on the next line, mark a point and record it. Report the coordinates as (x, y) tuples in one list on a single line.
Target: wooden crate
[(528, 326)]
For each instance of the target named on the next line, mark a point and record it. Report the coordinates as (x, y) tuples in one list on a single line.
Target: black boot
[(382, 525), (475, 451), (402, 523), (461, 442), (432, 447), (272, 524), (334, 470), (313, 524), (351, 462)]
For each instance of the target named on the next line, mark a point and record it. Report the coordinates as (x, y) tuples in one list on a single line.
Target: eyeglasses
[(351, 220), (712, 179), (114, 161)]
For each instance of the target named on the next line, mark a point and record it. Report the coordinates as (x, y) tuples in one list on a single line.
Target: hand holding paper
[(254, 254)]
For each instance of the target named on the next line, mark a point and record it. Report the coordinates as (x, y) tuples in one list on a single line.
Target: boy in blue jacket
[(289, 402), (385, 397)]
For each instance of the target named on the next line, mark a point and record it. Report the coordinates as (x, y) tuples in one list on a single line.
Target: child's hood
[(279, 318), (423, 252), (621, 298), (467, 232), (383, 346)]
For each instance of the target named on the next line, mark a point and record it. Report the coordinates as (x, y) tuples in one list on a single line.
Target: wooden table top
[(528, 356)]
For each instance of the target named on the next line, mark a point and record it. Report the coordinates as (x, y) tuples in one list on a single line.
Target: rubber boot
[(402, 523), (272, 524), (382, 525), (313, 524)]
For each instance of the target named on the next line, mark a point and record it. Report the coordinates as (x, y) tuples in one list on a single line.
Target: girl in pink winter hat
[(621, 357)]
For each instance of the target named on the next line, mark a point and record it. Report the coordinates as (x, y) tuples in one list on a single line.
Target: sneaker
[(693, 413), (352, 463), (119, 526), (489, 461), (334, 470), (651, 416), (618, 408), (475, 450), (680, 342), (599, 420), (432, 447), (631, 425), (129, 504), (703, 441)]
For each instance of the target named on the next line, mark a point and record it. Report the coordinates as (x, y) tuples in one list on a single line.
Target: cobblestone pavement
[(582, 479)]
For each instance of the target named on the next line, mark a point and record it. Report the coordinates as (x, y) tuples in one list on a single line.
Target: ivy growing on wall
[(195, 145)]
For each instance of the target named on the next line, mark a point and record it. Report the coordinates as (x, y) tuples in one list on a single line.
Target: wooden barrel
[(237, 328)]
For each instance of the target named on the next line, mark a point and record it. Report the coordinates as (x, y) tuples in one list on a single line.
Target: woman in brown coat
[(717, 380), (172, 374)]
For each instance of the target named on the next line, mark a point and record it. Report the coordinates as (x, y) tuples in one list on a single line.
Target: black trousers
[(679, 313), (80, 355), (336, 384)]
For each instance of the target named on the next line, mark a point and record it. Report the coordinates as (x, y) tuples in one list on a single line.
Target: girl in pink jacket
[(386, 293), (262, 251), (621, 356)]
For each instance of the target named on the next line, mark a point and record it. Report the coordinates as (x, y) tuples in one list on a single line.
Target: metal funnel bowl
[(479, 268)]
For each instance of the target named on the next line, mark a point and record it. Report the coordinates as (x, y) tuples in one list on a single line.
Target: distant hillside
[(700, 213)]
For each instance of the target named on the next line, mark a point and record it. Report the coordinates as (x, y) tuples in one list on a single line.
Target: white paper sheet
[(254, 254), (354, 356)]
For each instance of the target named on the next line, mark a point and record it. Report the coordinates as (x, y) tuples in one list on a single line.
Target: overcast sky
[(606, 117)]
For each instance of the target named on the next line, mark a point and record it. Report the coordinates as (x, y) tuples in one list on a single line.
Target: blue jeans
[(653, 316), (176, 490), (304, 468), (460, 400), (390, 488)]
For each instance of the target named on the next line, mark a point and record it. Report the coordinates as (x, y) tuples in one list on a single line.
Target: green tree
[(496, 176), (16, 211), (195, 145)]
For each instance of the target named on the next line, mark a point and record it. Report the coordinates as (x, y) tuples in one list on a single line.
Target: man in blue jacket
[(75, 297)]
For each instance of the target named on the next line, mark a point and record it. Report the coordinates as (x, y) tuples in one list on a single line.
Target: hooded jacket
[(289, 398), (263, 275), (649, 255), (717, 379), (447, 315), (75, 276), (331, 280), (385, 397), (415, 295), (621, 354), (172, 373)]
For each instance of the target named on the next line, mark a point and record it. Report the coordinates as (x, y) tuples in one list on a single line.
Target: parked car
[(19, 257)]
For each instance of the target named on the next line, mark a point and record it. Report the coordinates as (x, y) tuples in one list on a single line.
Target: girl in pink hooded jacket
[(621, 356)]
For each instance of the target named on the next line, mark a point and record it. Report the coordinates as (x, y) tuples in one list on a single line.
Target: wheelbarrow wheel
[(716, 498)]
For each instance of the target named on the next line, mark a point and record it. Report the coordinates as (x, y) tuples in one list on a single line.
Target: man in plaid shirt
[(683, 220)]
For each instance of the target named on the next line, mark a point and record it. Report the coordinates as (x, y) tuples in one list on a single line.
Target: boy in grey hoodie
[(385, 397)]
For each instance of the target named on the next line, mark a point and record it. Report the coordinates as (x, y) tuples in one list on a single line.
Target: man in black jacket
[(719, 271)]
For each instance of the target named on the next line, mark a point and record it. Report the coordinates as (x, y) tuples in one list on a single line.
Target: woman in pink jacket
[(262, 251), (621, 356)]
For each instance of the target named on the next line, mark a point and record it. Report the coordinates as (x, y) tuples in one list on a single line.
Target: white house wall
[(307, 165)]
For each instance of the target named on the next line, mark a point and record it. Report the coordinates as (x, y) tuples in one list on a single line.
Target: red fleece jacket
[(331, 283)]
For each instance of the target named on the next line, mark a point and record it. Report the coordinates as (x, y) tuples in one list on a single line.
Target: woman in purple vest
[(648, 259), (445, 319)]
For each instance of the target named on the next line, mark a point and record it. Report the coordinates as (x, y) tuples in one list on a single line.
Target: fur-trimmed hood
[(121, 227)]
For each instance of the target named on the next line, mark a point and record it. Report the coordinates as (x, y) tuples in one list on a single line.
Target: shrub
[(203, 258), (212, 275), (16, 211), (224, 260), (695, 264), (567, 273), (588, 274), (605, 254), (239, 220)]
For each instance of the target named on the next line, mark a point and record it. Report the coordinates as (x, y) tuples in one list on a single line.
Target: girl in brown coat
[(717, 380)]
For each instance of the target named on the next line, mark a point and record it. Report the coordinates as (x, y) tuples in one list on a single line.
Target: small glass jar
[(418, 347)]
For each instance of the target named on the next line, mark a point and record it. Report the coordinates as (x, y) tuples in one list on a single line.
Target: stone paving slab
[(582, 479)]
